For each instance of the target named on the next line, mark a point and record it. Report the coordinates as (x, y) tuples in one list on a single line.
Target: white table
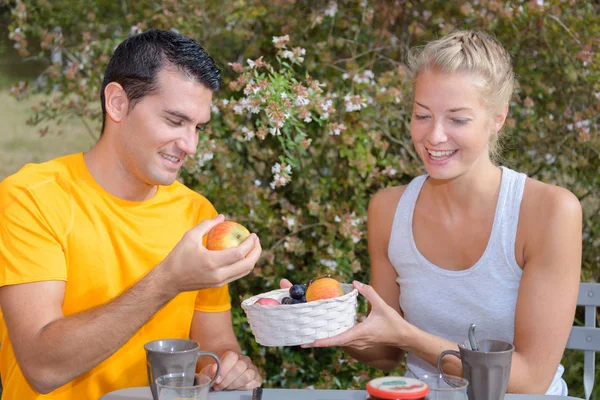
[(143, 393)]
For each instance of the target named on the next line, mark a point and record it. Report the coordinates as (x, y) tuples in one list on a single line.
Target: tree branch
[(555, 18)]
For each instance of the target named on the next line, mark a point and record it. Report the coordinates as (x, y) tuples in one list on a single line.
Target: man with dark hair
[(101, 252)]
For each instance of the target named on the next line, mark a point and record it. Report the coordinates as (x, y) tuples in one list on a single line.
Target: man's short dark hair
[(136, 62)]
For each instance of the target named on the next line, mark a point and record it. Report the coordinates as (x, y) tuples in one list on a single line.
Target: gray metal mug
[(168, 356), (487, 370)]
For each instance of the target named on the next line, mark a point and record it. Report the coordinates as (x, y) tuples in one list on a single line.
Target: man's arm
[(214, 332), (52, 349)]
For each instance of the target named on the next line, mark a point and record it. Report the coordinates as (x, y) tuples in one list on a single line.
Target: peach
[(226, 235), (324, 288)]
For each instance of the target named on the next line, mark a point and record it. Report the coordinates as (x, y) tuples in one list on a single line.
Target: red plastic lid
[(397, 387)]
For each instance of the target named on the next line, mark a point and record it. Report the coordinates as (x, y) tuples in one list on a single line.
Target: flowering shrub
[(313, 120)]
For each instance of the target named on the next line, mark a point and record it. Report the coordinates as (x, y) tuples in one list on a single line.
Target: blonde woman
[(470, 242)]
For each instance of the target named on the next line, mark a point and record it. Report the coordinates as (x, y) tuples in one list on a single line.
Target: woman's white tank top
[(445, 303)]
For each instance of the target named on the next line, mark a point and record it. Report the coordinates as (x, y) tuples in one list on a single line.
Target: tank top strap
[(507, 218), (402, 225)]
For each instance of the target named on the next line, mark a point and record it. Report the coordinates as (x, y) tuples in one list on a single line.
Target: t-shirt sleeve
[(213, 300), (30, 249), (217, 299)]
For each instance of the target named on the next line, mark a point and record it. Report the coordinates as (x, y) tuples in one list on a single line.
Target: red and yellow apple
[(267, 301), (226, 235), (324, 288)]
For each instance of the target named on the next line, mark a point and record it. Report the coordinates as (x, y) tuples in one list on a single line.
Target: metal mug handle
[(439, 364), (214, 356)]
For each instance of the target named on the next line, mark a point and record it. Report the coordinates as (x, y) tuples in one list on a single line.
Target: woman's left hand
[(383, 326)]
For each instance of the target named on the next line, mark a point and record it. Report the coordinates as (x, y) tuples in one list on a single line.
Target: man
[(102, 252)]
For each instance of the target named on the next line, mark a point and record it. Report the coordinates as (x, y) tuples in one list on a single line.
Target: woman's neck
[(477, 190)]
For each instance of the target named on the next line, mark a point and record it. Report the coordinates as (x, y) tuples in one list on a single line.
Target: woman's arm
[(551, 227)]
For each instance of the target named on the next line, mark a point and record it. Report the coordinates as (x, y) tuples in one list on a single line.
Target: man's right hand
[(190, 266)]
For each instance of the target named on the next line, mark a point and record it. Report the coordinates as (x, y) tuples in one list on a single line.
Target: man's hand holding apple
[(191, 266)]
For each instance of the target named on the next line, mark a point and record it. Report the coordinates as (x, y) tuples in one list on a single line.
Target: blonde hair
[(473, 52)]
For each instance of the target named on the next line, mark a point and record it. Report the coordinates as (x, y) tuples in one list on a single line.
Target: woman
[(470, 242)]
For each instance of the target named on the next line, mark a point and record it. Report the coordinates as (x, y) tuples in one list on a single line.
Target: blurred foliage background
[(313, 120)]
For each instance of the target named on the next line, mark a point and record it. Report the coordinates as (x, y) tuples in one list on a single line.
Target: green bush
[(300, 166)]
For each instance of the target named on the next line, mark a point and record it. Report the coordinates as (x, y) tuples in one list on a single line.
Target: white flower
[(337, 218), (290, 221), (290, 267), (275, 131), (301, 101), (249, 135), (326, 105), (203, 158), (331, 264), (276, 168), (281, 39), (257, 182), (331, 9), (250, 63)]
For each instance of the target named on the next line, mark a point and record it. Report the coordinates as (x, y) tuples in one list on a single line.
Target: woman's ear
[(499, 118), (117, 103)]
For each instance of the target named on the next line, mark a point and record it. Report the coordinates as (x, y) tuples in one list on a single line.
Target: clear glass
[(446, 387), (182, 386)]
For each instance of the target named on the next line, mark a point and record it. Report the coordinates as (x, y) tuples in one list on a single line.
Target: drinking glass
[(177, 386), (445, 387)]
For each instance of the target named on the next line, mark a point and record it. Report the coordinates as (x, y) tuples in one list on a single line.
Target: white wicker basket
[(296, 324)]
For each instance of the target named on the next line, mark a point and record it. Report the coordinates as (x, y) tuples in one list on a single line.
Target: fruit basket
[(302, 323)]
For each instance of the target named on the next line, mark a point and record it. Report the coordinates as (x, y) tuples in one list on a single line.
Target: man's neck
[(114, 176)]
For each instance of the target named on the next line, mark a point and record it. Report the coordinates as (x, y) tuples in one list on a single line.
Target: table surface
[(143, 393)]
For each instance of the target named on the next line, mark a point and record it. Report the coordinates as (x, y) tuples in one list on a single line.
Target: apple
[(324, 288), (267, 301), (226, 235)]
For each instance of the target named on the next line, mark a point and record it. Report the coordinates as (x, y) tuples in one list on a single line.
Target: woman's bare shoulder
[(387, 198), (545, 204)]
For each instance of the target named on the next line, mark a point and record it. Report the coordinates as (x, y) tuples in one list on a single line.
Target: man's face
[(162, 129)]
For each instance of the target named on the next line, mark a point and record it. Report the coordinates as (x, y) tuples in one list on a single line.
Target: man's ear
[(117, 103), (499, 118)]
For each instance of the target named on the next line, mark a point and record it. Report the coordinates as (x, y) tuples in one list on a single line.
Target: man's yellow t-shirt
[(58, 223)]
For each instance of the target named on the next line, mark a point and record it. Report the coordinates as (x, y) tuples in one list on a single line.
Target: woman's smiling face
[(450, 126)]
